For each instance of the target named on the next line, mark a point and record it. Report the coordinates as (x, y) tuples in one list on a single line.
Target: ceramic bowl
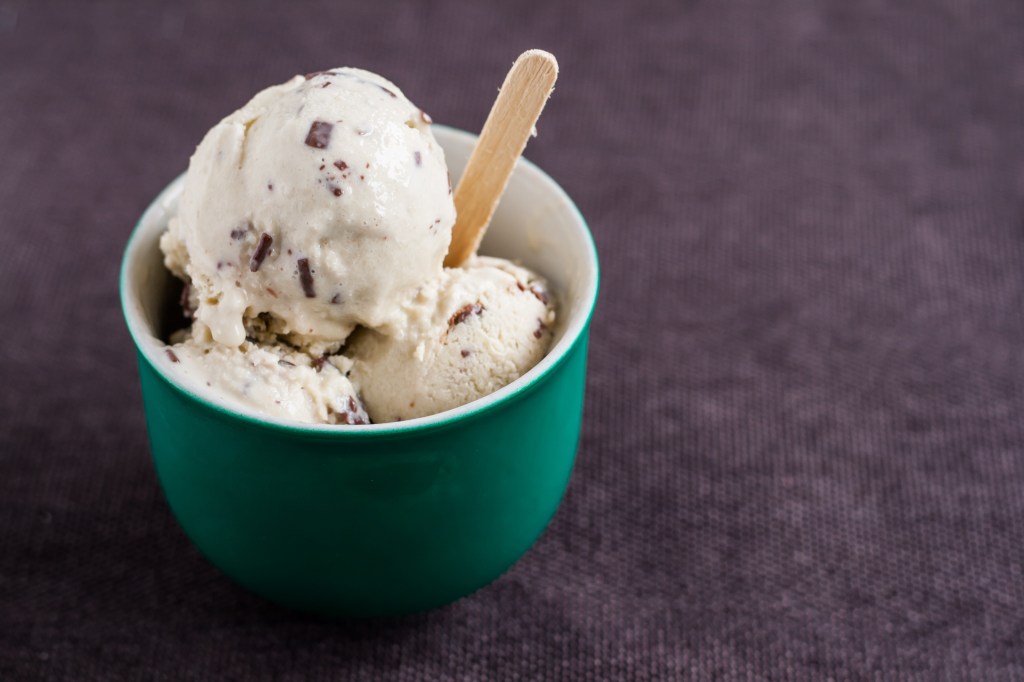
[(382, 519)]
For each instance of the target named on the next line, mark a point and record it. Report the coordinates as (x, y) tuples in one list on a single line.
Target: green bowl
[(383, 519)]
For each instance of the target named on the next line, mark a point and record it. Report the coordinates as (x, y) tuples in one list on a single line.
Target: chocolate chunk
[(541, 295), (172, 356), (353, 415), (285, 363), (306, 278), (319, 134), (355, 410), (418, 158), (335, 190), (262, 248), (270, 186), (466, 353), (336, 299), (425, 117), (464, 312), (387, 91), (340, 165), (241, 231), (318, 364), (326, 84), (539, 331)]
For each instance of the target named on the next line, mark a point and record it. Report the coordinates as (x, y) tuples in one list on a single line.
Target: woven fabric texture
[(803, 448)]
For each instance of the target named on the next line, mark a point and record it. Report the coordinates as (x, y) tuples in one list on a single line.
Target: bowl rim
[(556, 356)]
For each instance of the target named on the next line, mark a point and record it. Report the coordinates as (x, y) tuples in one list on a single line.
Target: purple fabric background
[(803, 454)]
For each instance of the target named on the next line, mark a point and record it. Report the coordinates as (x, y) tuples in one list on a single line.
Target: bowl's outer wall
[(368, 526)]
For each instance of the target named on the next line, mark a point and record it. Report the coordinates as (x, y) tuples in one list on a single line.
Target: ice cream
[(323, 202), (271, 378), (322, 207), (470, 332)]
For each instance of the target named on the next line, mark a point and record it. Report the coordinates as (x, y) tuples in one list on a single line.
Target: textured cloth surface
[(803, 449)]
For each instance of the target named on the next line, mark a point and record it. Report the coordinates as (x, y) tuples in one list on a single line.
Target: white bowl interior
[(535, 224)]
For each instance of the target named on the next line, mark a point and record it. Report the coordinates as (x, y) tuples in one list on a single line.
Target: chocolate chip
[(318, 364), (387, 91), (466, 353), (172, 356), (350, 414), (357, 419), (306, 278), (340, 165), (241, 231), (541, 295), (418, 158), (262, 248), (464, 312), (425, 117), (335, 190), (336, 299), (539, 331), (270, 186), (319, 134), (285, 363)]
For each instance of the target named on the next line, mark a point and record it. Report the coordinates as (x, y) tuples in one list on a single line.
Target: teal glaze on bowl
[(391, 518)]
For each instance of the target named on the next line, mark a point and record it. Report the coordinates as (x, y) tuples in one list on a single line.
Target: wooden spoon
[(508, 127)]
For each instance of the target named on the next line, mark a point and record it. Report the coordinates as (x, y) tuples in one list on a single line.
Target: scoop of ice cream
[(271, 378), (468, 333), (324, 201)]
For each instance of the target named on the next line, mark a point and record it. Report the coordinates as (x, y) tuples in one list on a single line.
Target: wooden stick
[(509, 125)]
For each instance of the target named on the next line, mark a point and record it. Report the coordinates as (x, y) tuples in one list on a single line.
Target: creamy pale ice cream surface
[(324, 206), (467, 334), (322, 201), (272, 378)]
